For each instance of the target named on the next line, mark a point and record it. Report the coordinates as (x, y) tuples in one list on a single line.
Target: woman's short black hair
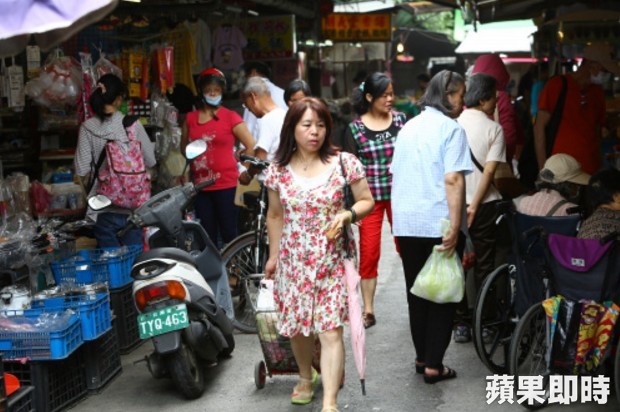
[(296, 86), (288, 145), (603, 186), (376, 84), (480, 86), (108, 88), (441, 85)]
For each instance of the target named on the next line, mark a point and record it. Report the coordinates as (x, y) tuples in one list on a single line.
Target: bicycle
[(246, 255)]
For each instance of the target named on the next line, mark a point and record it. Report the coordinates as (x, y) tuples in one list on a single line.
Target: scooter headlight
[(169, 289)]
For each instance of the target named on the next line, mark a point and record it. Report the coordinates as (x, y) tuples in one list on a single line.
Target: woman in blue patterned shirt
[(371, 137)]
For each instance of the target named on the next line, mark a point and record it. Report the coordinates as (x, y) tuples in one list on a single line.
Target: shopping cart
[(277, 351)]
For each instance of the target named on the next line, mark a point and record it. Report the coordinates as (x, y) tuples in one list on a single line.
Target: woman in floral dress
[(305, 202)]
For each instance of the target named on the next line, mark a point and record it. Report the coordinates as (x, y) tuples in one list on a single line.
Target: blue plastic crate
[(39, 345), (90, 266), (94, 311)]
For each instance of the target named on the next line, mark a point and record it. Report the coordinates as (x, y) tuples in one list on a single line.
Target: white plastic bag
[(265, 302), (441, 280)]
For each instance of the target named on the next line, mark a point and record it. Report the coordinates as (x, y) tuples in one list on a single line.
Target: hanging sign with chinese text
[(357, 27), (269, 38)]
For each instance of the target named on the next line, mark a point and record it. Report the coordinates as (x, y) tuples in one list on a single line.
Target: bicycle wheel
[(239, 259), (493, 319), (529, 351)]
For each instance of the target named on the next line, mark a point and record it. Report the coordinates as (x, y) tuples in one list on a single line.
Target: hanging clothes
[(228, 43), (184, 55), (201, 36)]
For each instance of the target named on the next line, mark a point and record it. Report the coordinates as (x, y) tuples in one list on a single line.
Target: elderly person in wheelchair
[(560, 185), (604, 196)]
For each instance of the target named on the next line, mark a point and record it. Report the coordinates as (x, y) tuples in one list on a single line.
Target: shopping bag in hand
[(265, 302), (441, 280), (469, 255)]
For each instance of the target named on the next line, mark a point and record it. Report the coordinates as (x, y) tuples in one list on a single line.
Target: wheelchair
[(579, 269), (513, 287)]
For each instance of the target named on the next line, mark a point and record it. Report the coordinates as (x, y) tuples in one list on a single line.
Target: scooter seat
[(166, 253)]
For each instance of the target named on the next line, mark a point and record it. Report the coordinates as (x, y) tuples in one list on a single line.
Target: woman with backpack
[(220, 128), (101, 140)]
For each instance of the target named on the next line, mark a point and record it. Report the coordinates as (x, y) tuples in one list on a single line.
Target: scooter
[(180, 288)]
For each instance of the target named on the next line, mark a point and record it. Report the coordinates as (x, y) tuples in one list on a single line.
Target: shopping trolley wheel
[(260, 374)]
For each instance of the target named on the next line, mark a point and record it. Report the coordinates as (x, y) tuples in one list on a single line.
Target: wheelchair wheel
[(493, 319), (529, 352)]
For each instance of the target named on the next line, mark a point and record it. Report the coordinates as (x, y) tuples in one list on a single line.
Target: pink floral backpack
[(123, 177)]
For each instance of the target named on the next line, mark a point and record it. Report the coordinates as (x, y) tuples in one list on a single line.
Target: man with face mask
[(583, 114)]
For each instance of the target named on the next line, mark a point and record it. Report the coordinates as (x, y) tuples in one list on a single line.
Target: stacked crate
[(96, 265)]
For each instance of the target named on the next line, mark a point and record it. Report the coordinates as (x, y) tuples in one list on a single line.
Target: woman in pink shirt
[(220, 128)]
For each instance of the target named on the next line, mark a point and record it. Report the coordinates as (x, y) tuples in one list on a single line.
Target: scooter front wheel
[(187, 372)]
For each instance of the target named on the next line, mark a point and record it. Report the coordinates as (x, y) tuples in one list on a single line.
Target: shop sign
[(269, 38), (357, 27)]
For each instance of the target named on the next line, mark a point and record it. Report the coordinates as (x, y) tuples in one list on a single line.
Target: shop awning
[(498, 38)]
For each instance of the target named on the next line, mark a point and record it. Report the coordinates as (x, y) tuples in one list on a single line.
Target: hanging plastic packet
[(104, 66), (135, 62), (88, 84), (16, 85), (33, 61)]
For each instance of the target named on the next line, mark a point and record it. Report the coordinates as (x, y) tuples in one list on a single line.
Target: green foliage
[(442, 22)]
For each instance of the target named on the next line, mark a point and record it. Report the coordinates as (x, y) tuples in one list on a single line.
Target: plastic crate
[(126, 323), (90, 266), (103, 360), (40, 345), (94, 311), (57, 384), (22, 400)]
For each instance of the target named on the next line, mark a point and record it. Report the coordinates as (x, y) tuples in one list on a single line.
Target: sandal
[(369, 320), (330, 409), (447, 374), (305, 397)]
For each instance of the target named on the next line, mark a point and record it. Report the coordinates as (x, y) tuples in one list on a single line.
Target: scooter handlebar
[(204, 184), (130, 225)]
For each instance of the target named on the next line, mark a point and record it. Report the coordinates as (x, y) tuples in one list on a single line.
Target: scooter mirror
[(99, 202), (195, 149)]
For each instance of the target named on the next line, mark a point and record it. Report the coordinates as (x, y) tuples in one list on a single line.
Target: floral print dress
[(310, 291)]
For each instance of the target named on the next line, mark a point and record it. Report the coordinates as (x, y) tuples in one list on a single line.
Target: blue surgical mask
[(213, 101)]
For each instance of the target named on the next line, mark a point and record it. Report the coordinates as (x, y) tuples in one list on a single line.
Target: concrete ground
[(391, 381)]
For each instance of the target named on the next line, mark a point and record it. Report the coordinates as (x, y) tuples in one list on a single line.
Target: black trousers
[(430, 323), (483, 232)]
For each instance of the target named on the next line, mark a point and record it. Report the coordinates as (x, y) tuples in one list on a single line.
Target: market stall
[(66, 307)]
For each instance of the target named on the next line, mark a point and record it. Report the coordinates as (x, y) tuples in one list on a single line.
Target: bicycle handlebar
[(255, 161)]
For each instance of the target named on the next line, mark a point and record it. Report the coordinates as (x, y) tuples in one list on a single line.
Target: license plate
[(162, 321)]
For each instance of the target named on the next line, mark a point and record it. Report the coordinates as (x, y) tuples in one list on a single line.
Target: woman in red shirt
[(220, 128)]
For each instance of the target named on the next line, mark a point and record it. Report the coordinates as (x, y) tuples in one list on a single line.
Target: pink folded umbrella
[(358, 333)]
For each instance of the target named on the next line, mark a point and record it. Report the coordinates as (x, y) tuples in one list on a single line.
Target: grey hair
[(256, 85), (480, 87), (441, 85)]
